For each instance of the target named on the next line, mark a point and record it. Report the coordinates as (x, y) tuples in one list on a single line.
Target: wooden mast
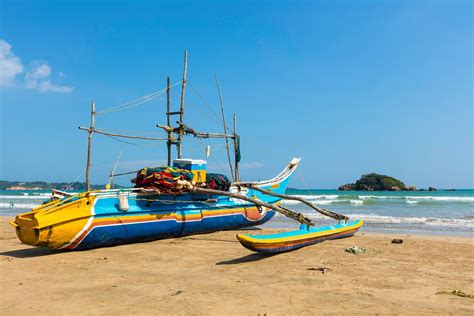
[(168, 108), (181, 109), (225, 129), (236, 149), (89, 143)]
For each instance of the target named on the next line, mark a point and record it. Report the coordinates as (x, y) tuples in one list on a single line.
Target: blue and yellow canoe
[(305, 236)]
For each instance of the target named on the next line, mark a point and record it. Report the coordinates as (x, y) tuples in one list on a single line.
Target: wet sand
[(213, 274)]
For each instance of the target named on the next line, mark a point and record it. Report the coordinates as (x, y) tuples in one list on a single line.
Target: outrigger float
[(185, 205)]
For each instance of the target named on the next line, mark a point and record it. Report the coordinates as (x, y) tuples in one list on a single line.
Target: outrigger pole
[(325, 212), (278, 208)]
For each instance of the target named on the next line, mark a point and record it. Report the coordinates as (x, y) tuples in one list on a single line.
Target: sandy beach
[(213, 274)]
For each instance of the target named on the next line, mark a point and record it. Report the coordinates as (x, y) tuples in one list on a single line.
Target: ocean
[(414, 212)]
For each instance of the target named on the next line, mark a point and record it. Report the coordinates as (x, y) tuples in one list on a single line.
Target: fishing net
[(167, 180)]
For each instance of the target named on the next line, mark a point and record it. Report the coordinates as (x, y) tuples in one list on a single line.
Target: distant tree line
[(41, 185)]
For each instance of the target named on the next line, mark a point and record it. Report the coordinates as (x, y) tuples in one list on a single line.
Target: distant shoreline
[(57, 186), (42, 186)]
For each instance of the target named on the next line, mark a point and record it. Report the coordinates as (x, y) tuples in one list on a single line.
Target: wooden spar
[(225, 129), (168, 107), (119, 135), (181, 109), (278, 208), (89, 143), (236, 163), (188, 130), (296, 198)]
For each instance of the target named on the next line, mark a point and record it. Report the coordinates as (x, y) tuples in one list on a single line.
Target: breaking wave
[(43, 197), (325, 202), (4, 206), (384, 219), (361, 199), (433, 221)]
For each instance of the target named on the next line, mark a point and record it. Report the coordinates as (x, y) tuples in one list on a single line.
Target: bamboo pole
[(296, 198), (120, 135), (278, 208), (236, 163), (168, 108), (225, 129), (181, 109), (89, 143)]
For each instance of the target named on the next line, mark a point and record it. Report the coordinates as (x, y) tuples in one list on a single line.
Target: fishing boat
[(177, 200)]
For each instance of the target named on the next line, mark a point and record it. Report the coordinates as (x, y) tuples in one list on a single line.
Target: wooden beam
[(89, 145), (119, 135), (168, 105), (181, 109)]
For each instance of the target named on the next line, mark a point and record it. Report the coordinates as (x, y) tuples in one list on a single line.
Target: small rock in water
[(397, 241)]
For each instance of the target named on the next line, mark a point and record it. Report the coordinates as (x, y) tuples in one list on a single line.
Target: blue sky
[(352, 87)]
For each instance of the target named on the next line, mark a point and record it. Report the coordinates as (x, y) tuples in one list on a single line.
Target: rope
[(216, 118), (75, 180), (126, 131), (120, 140), (131, 143), (136, 102)]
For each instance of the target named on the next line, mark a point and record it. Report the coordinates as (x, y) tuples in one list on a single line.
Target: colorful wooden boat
[(184, 207), (94, 219), (287, 241)]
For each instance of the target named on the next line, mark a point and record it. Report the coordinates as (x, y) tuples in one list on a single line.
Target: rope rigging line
[(128, 142), (126, 131), (136, 102), (75, 180), (217, 117), (121, 140)]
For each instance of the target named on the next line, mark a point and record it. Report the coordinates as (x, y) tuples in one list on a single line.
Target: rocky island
[(376, 182)]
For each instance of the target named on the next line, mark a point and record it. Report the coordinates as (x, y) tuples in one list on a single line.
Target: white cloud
[(40, 71), (38, 77), (10, 65)]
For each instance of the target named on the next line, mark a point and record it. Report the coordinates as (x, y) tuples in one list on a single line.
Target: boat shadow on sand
[(247, 258), (30, 252)]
